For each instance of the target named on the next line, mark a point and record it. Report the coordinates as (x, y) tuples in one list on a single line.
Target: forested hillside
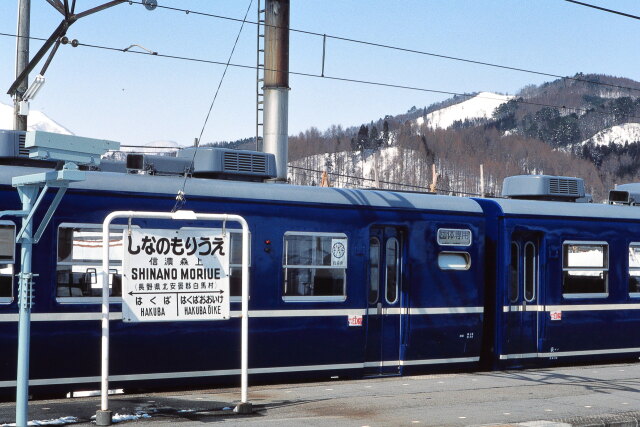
[(578, 126)]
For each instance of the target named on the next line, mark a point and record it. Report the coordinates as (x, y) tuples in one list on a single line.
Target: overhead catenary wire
[(604, 9), (342, 79), (409, 50), (398, 184), (180, 197)]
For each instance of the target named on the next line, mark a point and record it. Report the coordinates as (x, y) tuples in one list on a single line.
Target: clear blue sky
[(136, 99)]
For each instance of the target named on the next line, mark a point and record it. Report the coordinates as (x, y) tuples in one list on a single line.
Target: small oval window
[(454, 260)]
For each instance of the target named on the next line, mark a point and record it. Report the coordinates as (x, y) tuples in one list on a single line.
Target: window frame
[(285, 267), (630, 269), (516, 297), (377, 272), (117, 228), (604, 269), (12, 263), (398, 264), (232, 298), (465, 254), (534, 278)]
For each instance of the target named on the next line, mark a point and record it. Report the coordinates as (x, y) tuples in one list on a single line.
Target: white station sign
[(174, 275)]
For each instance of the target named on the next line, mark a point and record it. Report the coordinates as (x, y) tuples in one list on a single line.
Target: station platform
[(602, 395)]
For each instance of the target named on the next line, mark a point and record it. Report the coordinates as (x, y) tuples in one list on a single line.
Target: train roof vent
[(12, 144), (14, 152), (545, 187), (224, 163), (625, 194)]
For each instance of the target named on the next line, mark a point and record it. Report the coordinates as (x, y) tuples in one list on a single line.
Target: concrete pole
[(276, 84), (27, 195), (22, 59)]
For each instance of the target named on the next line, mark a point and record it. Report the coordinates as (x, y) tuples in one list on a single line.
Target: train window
[(374, 270), (393, 269), (530, 271), (454, 260), (514, 272), (235, 264), (7, 260), (314, 266), (235, 261), (634, 269), (585, 269), (80, 262)]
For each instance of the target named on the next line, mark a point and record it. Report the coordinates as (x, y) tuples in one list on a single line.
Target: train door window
[(392, 276), (514, 272), (585, 268), (530, 271), (314, 266), (79, 262), (454, 260), (7, 260), (634, 269), (374, 270)]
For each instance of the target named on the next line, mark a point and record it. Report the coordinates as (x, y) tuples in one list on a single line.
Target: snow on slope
[(628, 132), (37, 121), (480, 106)]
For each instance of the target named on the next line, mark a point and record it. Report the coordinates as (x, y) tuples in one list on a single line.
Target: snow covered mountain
[(37, 121), (480, 106), (628, 132)]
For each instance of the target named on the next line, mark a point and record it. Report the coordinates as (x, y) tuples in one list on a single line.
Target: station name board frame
[(180, 216)]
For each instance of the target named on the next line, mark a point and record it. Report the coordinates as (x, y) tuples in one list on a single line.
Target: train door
[(522, 311), (384, 314)]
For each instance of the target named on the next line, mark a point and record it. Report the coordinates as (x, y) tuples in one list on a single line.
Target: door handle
[(379, 309)]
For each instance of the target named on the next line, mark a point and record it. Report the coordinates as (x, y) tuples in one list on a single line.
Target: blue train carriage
[(409, 296), (566, 274)]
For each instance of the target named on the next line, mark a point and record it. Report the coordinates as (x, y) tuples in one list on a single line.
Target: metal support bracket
[(25, 291), (14, 213), (49, 214), (47, 217), (55, 179)]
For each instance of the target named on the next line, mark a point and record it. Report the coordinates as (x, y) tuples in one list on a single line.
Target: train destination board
[(174, 275), (454, 237)]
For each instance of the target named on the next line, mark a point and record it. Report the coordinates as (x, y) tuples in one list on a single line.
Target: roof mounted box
[(158, 165), (67, 148), (625, 194), (12, 144), (544, 187), (224, 163)]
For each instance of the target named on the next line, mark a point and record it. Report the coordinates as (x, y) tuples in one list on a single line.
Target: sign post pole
[(103, 416)]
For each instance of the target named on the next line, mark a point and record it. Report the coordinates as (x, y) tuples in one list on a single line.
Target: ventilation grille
[(22, 150), (561, 186), (245, 163)]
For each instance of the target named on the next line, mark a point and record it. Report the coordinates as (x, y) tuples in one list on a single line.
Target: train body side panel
[(441, 320)]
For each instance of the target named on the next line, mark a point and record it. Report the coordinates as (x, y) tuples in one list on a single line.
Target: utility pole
[(276, 84), (22, 59)]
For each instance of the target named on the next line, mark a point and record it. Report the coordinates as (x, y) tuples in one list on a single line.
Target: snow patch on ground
[(118, 418), (37, 121), (480, 106), (628, 132), (53, 422)]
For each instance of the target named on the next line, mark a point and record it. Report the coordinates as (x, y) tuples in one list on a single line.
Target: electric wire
[(408, 50), (420, 187), (604, 9), (180, 197), (348, 80), (345, 79)]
